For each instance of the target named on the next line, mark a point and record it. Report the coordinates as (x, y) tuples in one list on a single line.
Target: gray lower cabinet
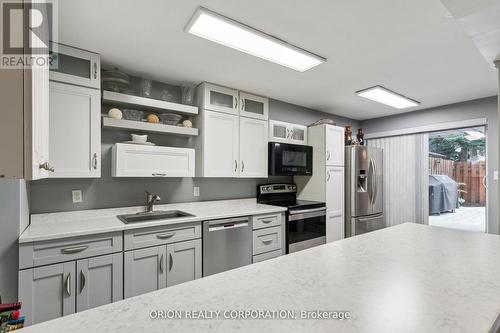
[(53, 291), (47, 292), (184, 262), (161, 266), (99, 281), (145, 270)]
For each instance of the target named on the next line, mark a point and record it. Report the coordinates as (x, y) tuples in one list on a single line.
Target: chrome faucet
[(150, 201)]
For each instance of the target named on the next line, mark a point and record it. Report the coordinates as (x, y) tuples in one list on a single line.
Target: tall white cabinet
[(75, 114), (233, 133), (327, 182)]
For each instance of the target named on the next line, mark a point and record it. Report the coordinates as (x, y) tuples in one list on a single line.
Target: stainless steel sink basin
[(153, 216)]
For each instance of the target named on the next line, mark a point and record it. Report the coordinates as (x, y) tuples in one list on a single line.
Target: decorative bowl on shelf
[(170, 118), (131, 114), (115, 80)]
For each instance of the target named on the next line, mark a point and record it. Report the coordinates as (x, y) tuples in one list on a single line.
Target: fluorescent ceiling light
[(225, 31), (385, 96)]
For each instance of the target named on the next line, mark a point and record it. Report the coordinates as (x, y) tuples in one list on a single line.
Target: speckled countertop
[(407, 278), (86, 222)]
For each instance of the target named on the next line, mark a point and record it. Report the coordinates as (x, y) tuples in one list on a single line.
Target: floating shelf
[(141, 126), (119, 99)]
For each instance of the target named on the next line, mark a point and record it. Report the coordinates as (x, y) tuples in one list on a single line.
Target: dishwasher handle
[(227, 224)]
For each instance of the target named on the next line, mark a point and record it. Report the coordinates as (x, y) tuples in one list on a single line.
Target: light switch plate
[(196, 191), (77, 196), (495, 175)]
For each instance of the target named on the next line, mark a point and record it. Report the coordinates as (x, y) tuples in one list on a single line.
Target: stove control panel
[(277, 188)]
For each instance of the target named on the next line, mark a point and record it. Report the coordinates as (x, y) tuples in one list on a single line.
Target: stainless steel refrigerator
[(363, 190)]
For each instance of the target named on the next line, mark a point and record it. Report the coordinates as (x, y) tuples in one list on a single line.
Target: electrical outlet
[(495, 175), (196, 191), (77, 196)]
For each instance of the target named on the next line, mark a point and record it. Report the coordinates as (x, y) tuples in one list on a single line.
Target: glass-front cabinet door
[(220, 99), (288, 133), (75, 66), (253, 106)]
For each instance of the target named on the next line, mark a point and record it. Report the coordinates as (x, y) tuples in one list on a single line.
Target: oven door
[(305, 229), (288, 160)]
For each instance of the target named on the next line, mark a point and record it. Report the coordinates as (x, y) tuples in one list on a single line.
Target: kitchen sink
[(152, 216)]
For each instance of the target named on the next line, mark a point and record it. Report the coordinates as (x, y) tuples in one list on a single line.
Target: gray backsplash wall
[(51, 195), (480, 108)]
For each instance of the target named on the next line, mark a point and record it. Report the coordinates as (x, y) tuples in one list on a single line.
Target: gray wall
[(52, 195), (481, 108), (14, 218)]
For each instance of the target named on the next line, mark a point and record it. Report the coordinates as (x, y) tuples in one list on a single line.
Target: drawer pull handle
[(267, 221), (267, 241), (171, 262), (76, 249), (165, 235), (159, 174), (68, 284), (161, 264)]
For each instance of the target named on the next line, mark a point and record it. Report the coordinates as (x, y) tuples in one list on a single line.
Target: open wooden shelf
[(140, 126), (143, 103)]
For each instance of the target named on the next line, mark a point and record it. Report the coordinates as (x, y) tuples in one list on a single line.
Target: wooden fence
[(471, 174)]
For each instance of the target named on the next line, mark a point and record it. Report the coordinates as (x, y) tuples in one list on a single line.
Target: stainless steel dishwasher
[(227, 244)]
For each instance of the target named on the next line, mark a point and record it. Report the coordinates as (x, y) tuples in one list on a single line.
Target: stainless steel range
[(305, 220)]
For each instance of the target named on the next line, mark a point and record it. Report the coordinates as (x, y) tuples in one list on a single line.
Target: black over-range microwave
[(290, 160)]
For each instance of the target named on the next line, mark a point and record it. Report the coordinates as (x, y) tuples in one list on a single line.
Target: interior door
[(145, 270), (75, 133), (99, 281), (253, 148), (221, 145)]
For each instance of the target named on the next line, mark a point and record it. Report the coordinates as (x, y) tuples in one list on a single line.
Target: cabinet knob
[(95, 70), (46, 166)]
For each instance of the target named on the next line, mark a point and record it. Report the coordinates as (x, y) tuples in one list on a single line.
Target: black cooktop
[(284, 195)]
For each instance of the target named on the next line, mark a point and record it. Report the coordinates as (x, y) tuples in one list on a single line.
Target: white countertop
[(86, 222), (407, 278)]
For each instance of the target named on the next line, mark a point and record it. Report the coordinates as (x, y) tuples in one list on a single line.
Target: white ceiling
[(408, 46)]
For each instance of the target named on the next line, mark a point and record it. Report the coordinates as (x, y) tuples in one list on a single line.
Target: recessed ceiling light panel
[(385, 96), (223, 30)]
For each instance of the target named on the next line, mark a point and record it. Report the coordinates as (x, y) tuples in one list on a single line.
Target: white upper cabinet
[(220, 146), (131, 160), (280, 131), (254, 106), (335, 154), (39, 164), (75, 66), (217, 98), (253, 148), (75, 133)]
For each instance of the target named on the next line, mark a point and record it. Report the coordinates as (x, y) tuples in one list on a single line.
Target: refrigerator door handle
[(370, 179), (375, 183)]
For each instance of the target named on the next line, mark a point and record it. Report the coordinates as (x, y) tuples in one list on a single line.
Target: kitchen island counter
[(407, 278)]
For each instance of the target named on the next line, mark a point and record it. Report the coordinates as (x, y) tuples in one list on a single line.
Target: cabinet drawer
[(266, 221), (50, 252), (140, 238), (267, 256), (266, 240)]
